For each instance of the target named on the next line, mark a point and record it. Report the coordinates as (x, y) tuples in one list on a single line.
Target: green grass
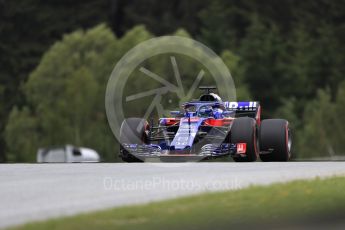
[(278, 203)]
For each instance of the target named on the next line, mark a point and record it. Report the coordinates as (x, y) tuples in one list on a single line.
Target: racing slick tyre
[(275, 140), (244, 130), (132, 131)]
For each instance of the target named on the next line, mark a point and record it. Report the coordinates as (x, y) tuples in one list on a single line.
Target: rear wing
[(244, 108)]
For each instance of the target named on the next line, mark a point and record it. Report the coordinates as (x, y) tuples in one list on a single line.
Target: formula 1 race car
[(207, 128)]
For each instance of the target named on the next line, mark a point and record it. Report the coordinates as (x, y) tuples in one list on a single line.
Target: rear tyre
[(243, 130), (133, 131), (275, 140)]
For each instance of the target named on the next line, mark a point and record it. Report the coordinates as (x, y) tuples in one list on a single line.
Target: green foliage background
[(56, 57)]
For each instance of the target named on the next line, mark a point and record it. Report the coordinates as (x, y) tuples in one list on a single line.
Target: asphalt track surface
[(32, 192)]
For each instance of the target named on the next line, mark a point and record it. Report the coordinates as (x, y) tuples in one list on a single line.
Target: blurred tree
[(224, 24), (315, 139), (21, 135), (66, 98), (159, 17), (262, 54), (337, 125), (237, 72), (27, 29), (309, 68), (322, 134), (293, 41)]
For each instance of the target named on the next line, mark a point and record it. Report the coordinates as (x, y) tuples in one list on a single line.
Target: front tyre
[(243, 130), (275, 140), (133, 131)]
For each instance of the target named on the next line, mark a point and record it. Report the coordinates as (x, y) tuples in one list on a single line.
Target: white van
[(67, 154)]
